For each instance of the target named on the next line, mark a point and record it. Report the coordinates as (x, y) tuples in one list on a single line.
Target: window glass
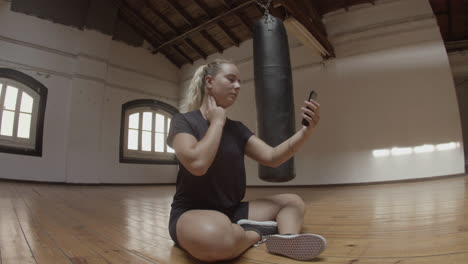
[(10, 98), (147, 121), (7, 123), (159, 123), (146, 141), (24, 125), (133, 139), (26, 103), (134, 121), (159, 142)]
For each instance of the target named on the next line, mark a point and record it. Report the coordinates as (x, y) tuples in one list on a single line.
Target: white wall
[(88, 77), (459, 65), (390, 85)]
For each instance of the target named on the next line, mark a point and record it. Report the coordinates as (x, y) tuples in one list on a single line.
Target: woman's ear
[(208, 83)]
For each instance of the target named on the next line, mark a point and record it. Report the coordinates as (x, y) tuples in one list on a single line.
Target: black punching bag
[(273, 92)]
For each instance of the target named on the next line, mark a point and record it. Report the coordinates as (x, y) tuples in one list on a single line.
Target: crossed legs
[(210, 236), (286, 209)]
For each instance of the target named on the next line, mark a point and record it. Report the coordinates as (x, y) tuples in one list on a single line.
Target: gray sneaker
[(263, 228), (299, 247)]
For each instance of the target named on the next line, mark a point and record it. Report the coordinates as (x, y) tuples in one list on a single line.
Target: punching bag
[(273, 92)]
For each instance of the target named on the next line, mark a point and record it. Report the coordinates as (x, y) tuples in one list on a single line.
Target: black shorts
[(240, 211)]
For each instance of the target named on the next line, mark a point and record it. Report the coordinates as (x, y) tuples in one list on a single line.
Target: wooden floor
[(404, 223)]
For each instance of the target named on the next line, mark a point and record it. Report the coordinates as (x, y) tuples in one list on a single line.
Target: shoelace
[(261, 241)]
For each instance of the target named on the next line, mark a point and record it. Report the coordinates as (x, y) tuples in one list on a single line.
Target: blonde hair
[(196, 89)]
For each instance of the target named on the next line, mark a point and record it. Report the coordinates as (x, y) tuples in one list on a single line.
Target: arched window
[(22, 108), (144, 129)]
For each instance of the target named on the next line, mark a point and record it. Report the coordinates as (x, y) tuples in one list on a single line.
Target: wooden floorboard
[(406, 223)]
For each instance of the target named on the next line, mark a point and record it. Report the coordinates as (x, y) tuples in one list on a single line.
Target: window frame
[(141, 157), (24, 83)]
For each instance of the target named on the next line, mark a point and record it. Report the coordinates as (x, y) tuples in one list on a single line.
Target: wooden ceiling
[(187, 30), (452, 17)]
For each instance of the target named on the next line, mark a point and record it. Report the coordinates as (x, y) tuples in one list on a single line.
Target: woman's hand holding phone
[(311, 111)]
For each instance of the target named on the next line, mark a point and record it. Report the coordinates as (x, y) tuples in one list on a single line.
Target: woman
[(208, 218)]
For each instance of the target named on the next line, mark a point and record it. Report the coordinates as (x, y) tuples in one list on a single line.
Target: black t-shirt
[(223, 185)]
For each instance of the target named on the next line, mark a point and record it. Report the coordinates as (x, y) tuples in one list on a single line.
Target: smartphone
[(313, 95)]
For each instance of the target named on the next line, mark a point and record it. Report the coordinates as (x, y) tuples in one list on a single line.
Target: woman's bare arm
[(266, 155), (197, 156)]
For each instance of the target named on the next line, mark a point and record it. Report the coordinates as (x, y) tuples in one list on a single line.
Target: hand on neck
[(204, 107)]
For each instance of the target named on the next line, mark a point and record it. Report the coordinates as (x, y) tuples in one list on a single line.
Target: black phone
[(313, 95)]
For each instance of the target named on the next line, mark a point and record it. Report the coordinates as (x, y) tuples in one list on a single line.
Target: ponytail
[(196, 90)]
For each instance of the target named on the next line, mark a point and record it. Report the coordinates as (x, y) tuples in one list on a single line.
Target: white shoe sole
[(260, 223), (299, 247)]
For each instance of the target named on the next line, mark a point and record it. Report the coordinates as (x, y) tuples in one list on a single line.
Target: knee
[(220, 243), (213, 241), (295, 201)]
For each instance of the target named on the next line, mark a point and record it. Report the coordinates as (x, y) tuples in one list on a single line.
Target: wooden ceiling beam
[(153, 31), (181, 11), (315, 15), (259, 9), (212, 41), (276, 12), (298, 11), (144, 33), (245, 22), (202, 26), (196, 48), (182, 53), (235, 40), (202, 5), (162, 17), (313, 10), (174, 28), (456, 45), (130, 10), (192, 23), (450, 17), (228, 4)]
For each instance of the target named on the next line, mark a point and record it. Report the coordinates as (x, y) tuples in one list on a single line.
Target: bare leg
[(286, 209), (210, 236)]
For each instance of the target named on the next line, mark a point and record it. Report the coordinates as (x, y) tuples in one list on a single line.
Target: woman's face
[(225, 86)]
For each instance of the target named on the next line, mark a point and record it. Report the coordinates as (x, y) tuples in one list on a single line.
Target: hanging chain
[(266, 6)]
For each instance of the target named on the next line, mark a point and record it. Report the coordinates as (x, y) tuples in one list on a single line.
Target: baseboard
[(249, 186), (364, 183), (84, 184)]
